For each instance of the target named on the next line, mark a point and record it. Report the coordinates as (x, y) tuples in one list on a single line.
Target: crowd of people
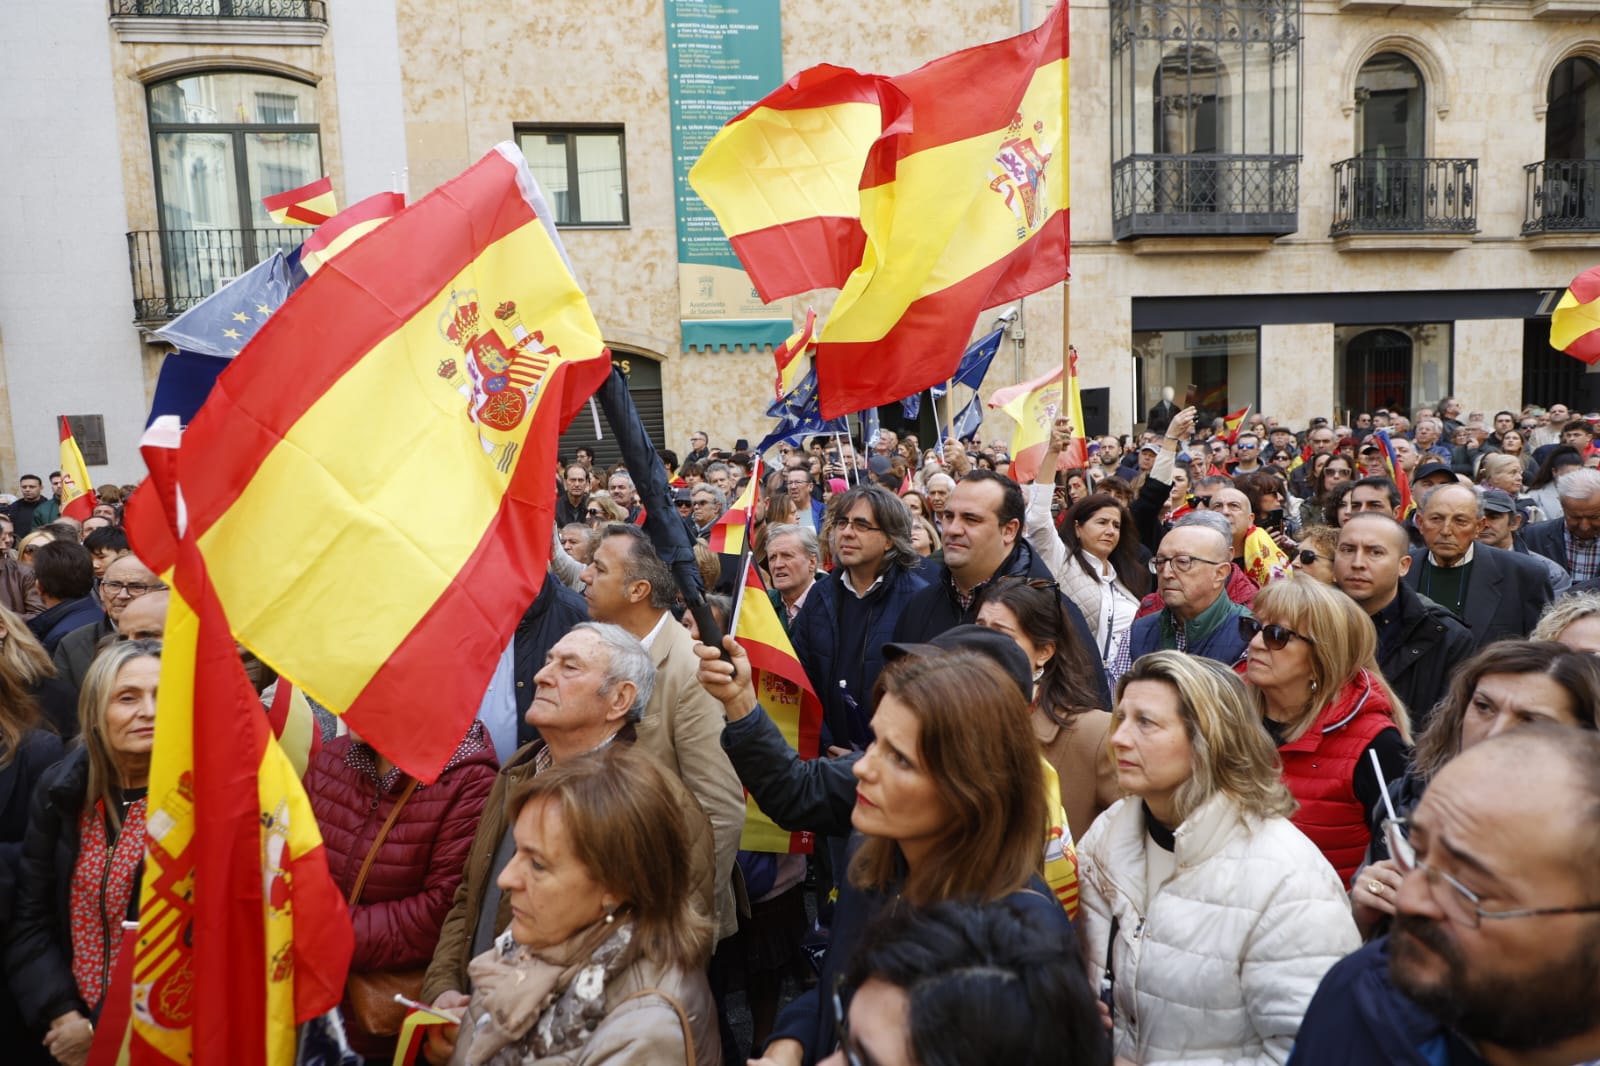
[(1198, 745)]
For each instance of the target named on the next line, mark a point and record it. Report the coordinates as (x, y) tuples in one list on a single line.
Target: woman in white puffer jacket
[(1208, 919)]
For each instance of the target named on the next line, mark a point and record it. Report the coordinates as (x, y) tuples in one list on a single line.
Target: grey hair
[(1579, 484), (708, 487), (628, 662), (1573, 607), (1214, 522), (1434, 422), (623, 474), (718, 465), (1427, 497), (935, 477), (808, 539)]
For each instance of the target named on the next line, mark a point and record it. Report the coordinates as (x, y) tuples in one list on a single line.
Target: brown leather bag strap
[(366, 865), (683, 1018)]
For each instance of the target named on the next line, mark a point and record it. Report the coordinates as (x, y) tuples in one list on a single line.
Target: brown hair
[(977, 744), (624, 824)]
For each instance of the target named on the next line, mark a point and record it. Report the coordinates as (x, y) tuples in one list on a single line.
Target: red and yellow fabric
[(1575, 322), (242, 931), (785, 693), (1233, 423), (438, 359), (309, 205), (294, 725), (347, 227), (77, 491), (1060, 855), (731, 533), (793, 356), (413, 1034), (967, 209), (784, 177), (1391, 466), (1034, 406), (1264, 561)]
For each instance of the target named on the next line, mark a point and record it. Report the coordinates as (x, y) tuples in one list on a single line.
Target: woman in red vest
[(1313, 670)]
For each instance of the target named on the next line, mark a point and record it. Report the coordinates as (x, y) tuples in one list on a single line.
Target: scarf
[(528, 1006), (102, 888)]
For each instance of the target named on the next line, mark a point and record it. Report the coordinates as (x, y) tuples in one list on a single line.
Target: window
[(1390, 100), (1221, 364), (221, 142), (1564, 187), (1401, 366), (583, 172), (1205, 126)]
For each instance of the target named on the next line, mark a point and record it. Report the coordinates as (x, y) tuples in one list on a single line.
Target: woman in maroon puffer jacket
[(414, 876)]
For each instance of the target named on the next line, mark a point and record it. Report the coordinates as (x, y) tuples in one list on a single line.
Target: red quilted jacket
[(416, 871)]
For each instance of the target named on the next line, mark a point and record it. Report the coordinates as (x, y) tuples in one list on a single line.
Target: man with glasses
[(1196, 616), (1494, 954), (1420, 644), (807, 508), (840, 632), (1248, 450), (699, 447), (706, 505), (126, 580)]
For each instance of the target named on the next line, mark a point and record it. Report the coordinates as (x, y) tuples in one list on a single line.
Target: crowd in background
[(1205, 744)]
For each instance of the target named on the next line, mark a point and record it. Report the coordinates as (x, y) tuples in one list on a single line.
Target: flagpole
[(1066, 340), (744, 575), (949, 416)]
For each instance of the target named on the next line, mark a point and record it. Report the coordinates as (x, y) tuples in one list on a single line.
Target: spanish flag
[(368, 482), (1575, 323), (347, 227), (1233, 423), (1391, 464), (793, 356), (1034, 406), (784, 177), (77, 491), (309, 205), (785, 694), (242, 931), (731, 533), (966, 210)]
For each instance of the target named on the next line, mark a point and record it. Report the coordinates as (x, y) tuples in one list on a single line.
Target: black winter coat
[(40, 750), (1419, 666)]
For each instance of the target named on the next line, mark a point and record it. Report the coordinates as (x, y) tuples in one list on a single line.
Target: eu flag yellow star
[(263, 310), (240, 316), (232, 334)]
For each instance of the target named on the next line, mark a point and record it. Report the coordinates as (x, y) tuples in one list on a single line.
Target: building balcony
[(175, 269), (1197, 195), (302, 10), (1425, 202), (1563, 201)]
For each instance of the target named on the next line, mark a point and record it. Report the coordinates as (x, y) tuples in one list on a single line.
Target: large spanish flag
[(242, 931), (966, 210), (784, 177), (1575, 322), (309, 205), (368, 483), (785, 694), (77, 491)]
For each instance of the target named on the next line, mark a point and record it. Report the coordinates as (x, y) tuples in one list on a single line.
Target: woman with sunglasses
[(1313, 556), (1312, 668), (1208, 920), (1508, 684), (1319, 510), (958, 985)]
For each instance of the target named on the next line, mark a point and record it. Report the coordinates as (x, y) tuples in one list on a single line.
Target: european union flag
[(974, 363), (968, 419), (799, 415), (223, 323)]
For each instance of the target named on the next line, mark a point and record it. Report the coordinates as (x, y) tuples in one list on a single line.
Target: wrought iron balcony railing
[(1404, 196), (1563, 197), (175, 269), (306, 10), (1204, 195)]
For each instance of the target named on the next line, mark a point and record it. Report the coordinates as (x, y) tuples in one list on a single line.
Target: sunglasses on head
[(1275, 637)]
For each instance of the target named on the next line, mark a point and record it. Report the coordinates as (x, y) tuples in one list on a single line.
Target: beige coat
[(1082, 759), (682, 728)]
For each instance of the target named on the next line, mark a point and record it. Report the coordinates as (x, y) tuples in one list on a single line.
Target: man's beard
[(1563, 1001)]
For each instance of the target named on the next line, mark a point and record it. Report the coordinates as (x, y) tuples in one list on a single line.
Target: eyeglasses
[(1307, 556), (1275, 637), (1182, 563), (1246, 447), (1461, 905), (860, 525), (134, 589), (854, 1055), (592, 513), (1202, 501)]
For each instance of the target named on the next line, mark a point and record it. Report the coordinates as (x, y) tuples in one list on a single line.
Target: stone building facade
[(1303, 205)]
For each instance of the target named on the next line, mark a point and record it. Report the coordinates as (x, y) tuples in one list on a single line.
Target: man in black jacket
[(1420, 644), (982, 540)]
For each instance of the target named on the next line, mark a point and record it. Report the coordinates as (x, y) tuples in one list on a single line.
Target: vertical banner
[(722, 57)]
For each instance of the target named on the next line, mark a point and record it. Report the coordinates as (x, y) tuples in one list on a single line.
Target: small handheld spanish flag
[(1234, 423), (309, 205), (731, 532), (1575, 323)]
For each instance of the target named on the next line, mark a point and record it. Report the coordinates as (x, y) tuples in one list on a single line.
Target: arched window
[(1377, 370), (1572, 124), (221, 141), (1391, 98)]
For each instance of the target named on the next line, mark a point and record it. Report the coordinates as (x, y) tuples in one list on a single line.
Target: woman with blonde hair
[(1312, 668), (1313, 556), (1208, 920), (604, 960), (27, 676), (1573, 620), (925, 538)]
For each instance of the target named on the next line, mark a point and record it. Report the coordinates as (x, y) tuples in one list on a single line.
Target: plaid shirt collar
[(1582, 555)]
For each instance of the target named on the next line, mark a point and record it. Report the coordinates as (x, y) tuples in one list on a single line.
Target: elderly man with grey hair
[(1573, 540), (793, 554), (593, 690), (1196, 616)]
